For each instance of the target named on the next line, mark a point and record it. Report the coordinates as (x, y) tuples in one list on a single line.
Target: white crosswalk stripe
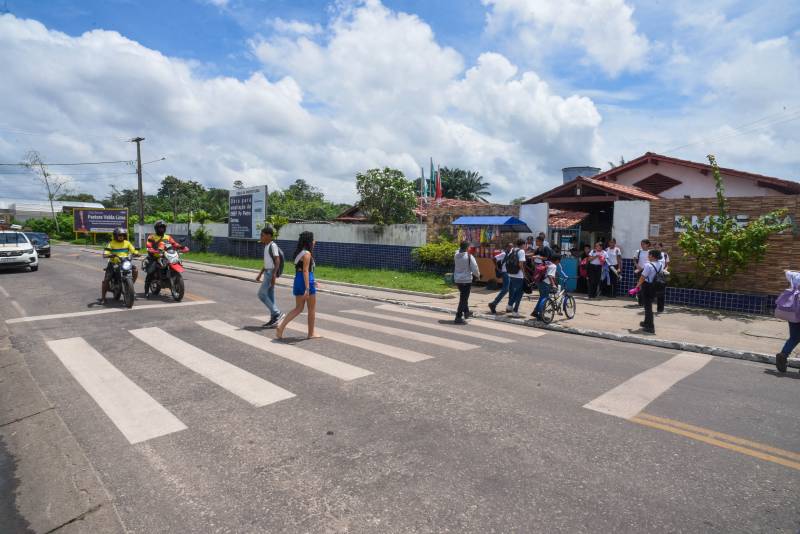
[(405, 334), (497, 326), (455, 330), (248, 386), (367, 344), (135, 413), (324, 364)]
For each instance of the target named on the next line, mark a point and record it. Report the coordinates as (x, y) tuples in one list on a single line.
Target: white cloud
[(603, 29), (219, 3), (295, 27), (373, 89)]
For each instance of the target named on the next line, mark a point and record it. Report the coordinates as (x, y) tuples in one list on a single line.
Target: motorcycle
[(121, 282), (167, 273)]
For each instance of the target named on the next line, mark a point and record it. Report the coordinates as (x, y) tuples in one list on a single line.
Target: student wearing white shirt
[(664, 256), (465, 268), (614, 261), (595, 267), (647, 289), (641, 258), (515, 265), (272, 263), (548, 284), (500, 259)]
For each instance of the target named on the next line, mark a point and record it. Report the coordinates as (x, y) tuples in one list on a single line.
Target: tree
[(238, 184), (53, 184), (386, 196), (517, 201), (216, 202), (180, 195), (719, 247), (612, 165), (302, 201), (461, 184)]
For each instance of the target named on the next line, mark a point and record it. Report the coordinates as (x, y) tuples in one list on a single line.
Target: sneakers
[(514, 314), (274, 321), (781, 362), (493, 307), (459, 320)]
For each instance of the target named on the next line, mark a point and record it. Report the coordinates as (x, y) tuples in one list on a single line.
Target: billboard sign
[(248, 212), (98, 220)]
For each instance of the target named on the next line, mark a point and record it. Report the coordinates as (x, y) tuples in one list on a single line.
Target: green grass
[(407, 280)]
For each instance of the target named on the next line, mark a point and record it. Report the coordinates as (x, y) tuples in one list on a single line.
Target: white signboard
[(248, 212)]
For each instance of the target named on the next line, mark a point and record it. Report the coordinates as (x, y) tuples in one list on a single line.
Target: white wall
[(409, 235), (694, 183), (631, 224), (535, 216)]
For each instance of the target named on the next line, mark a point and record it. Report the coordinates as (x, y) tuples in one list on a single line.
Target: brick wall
[(783, 250), (439, 219)]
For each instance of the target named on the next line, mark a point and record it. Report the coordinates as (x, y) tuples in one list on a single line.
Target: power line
[(129, 162)]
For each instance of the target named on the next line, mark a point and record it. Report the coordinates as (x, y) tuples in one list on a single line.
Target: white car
[(16, 251)]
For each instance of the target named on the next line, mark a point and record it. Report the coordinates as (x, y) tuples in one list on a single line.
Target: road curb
[(188, 263), (623, 338)]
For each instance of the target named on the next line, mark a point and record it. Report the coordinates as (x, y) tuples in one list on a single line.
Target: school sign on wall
[(248, 212)]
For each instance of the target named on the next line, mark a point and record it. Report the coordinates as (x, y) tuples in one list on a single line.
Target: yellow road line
[(719, 435), (717, 442)]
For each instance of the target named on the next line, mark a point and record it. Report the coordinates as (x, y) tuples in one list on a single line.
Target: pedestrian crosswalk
[(140, 417)]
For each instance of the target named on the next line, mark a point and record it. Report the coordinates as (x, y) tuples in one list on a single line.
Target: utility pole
[(138, 141)]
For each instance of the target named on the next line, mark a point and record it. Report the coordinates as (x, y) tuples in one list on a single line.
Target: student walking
[(464, 269), (273, 266), (614, 262), (500, 260), (651, 276), (305, 288), (641, 258), (515, 264), (598, 258), (788, 308)]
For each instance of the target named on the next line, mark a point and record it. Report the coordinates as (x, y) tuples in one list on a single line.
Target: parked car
[(17, 252), (41, 242)]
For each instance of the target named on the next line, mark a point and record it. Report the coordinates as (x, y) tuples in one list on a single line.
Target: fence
[(340, 245)]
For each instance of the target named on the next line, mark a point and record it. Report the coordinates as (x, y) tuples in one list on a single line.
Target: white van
[(17, 252)]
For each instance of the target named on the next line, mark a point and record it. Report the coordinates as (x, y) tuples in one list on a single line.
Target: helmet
[(160, 227), (120, 233)]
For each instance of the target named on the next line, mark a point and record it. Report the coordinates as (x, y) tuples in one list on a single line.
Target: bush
[(438, 254), (203, 238)]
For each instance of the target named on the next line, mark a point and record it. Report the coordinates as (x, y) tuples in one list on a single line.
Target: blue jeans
[(515, 292), (544, 292), (794, 338), (266, 294), (503, 291)]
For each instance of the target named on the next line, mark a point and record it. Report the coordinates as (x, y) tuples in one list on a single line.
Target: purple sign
[(97, 220)]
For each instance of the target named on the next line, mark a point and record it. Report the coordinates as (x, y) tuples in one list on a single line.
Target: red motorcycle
[(168, 273)]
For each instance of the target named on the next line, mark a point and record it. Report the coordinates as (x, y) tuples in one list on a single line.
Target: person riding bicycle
[(117, 248), (155, 242), (549, 284)]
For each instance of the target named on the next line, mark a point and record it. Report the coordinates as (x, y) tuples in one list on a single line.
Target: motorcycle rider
[(154, 243), (118, 247)]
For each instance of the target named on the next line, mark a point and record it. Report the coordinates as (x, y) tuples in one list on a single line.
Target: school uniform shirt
[(650, 271), (521, 258), (664, 260), (464, 268), (612, 256), (544, 251), (552, 268), (596, 257), (270, 251), (642, 259)]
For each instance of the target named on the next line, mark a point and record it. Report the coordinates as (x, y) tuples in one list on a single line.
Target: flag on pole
[(422, 181), (438, 184), (429, 186)]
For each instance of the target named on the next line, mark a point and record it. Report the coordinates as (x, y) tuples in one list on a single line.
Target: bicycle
[(560, 302)]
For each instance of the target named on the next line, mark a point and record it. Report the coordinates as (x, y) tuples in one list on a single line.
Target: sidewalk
[(750, 337)]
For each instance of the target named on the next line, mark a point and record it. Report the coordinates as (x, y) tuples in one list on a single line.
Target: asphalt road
[(483, 437)]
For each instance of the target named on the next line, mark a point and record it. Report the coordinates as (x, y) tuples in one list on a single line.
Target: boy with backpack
[(514, 263), (271, 271), (500, 262), (652, 280)]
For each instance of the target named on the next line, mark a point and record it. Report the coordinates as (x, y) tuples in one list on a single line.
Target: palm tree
[(464, 185)]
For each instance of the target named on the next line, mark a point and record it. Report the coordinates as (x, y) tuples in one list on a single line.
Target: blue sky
[(273, 91)]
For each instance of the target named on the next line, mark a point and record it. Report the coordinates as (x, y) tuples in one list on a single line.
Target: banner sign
[(248, 212), (98, 220), (682, 223)]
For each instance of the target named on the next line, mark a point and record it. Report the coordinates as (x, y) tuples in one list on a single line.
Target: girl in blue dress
[(305, 288)]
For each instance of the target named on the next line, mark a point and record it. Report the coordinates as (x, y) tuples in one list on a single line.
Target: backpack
[(498, 268), (661, 278), (539, 272), (512, 262), (279, 272)]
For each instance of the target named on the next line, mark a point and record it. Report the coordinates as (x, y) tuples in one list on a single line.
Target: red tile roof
[(785, 186), (627, 191), (564, 218)]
